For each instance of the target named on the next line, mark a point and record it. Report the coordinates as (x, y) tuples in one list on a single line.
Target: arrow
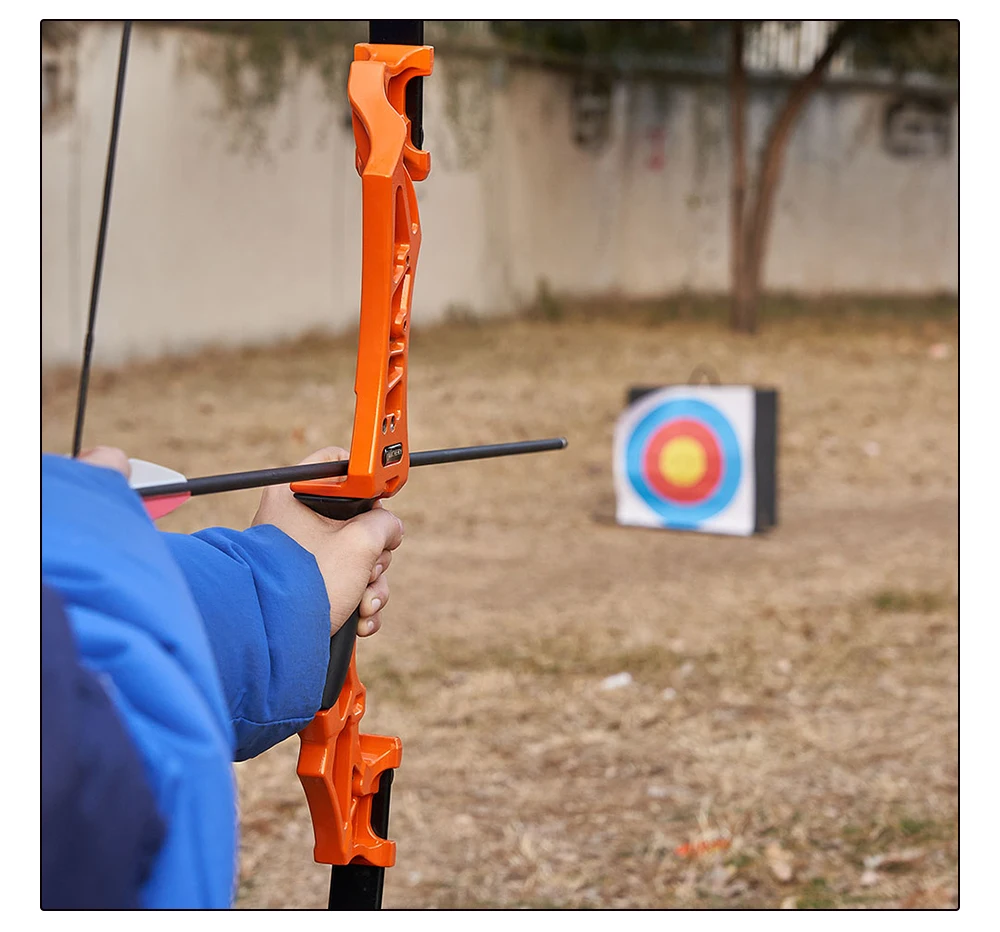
[(164, 489)]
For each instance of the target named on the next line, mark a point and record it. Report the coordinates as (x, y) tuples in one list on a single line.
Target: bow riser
[(379, 458)]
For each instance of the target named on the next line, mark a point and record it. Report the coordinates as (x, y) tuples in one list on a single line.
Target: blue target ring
[(679, 514)]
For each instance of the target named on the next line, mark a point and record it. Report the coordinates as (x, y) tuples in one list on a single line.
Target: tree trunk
[(738, 181), (758, 225)]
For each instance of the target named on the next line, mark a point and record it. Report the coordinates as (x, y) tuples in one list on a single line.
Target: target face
[(683, 459)]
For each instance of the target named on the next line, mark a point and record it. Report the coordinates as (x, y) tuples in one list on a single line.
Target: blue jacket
[(187, 652)]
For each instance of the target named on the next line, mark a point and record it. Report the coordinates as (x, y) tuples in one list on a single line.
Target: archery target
[(683, 459)]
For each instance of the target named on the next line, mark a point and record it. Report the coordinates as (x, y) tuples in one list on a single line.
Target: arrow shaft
[(258, 478)]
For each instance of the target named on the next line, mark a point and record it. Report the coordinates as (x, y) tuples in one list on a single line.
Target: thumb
[(326, 455)]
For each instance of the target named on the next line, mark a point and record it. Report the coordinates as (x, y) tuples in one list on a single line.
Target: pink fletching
[(163, 505)]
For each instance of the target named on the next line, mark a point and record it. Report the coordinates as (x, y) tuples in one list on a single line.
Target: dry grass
[(794, 695)]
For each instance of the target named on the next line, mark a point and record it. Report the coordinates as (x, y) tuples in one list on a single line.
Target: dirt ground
[(794, 696)]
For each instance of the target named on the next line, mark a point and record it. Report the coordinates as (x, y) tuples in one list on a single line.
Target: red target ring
[(703, 438)]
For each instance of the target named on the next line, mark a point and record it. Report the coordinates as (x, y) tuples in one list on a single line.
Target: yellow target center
[(683, 461)]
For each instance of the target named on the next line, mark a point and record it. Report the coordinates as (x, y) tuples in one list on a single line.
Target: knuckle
[(364, 537), (377, 590), (393, 529)]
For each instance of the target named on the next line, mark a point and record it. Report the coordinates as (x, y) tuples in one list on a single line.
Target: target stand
[(698, 458)]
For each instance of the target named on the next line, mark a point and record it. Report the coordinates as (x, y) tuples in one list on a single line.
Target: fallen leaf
[(782, 871), (909, 856), (617, 681), (736, 888), (716, 881), (790, 902), (696, 849), (527, 847), (869, 878), (780, 862), (894, 859)]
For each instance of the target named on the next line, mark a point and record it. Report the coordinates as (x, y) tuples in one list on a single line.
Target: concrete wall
[(531, 180)]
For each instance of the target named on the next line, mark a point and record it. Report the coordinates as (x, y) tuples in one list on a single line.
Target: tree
[(899, 46), (750, 229)]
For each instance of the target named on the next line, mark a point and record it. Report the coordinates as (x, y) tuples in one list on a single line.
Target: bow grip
[(342, 642)]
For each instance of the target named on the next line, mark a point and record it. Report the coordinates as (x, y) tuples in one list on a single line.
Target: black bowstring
[(102, 234)]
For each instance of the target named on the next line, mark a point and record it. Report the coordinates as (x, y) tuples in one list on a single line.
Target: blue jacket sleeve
[(100, 828), (267, 616), (138, 630)]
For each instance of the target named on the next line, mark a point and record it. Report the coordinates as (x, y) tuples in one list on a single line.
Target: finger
[(109, 458), (375, 531), (369, 626), (374, 598), (381, 565), (278, 493)]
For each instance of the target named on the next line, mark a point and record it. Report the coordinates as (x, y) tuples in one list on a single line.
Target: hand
[(352, 556), (109, 458)]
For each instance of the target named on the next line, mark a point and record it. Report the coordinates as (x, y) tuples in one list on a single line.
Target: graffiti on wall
[(917, 127), (590, 111), (655, 145), (649, 130), (58, 85)]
